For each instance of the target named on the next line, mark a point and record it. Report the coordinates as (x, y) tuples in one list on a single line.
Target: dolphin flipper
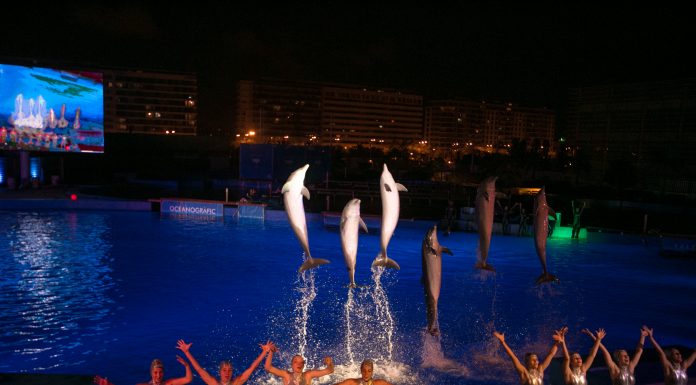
[(363, 225), (311, 263), (400, 187), (305, 192)]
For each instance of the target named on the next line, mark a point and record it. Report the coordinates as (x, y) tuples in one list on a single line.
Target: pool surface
[(105, 292)]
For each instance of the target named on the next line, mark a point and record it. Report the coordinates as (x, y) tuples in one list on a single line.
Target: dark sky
[(528, 54)]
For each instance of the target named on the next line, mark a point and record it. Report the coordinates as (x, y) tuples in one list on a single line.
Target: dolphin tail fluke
[(311, 263), (483, 265), (546, 277), (434, 331), (385, 261)]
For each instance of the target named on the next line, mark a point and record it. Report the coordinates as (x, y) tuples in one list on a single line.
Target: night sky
[(527, 54)]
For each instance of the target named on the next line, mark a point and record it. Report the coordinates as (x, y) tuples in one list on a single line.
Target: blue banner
[(191, 208)]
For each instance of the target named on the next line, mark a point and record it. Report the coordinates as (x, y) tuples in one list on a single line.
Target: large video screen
[(43, 109)]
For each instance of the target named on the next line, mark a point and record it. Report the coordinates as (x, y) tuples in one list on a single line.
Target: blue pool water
[(106, 292)]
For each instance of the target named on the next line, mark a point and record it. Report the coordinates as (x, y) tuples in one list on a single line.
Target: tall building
[(157, 103), (461, 124), (278, 111), (353, 115), (650, 126), (298, 112)]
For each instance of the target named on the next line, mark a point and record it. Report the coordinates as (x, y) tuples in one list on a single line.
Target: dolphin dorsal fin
[(363, 225), (305, 192), (386, 187), (286, 188), (400, 187)]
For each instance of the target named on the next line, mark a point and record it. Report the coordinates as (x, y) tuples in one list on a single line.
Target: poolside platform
[(64, 198)]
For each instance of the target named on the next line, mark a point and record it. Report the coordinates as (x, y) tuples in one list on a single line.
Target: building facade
[(293, 112), (484, 126), (649, 126), (155, 103)]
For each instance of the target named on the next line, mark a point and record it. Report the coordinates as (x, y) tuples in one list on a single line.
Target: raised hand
[(183, 346), (499, 336), (647, 330), (182, 361), (601, 334), (589, 333), (267, 347)]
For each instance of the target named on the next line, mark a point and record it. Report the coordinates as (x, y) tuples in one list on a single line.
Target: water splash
[(348, 309), (306, 288), (394, 372), (433, 357), (383, 313)]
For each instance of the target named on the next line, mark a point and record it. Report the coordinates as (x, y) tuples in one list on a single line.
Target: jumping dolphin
[(431, 253), (541, 231), (350, 223), (389, 191), (293, 190), (485, 208)]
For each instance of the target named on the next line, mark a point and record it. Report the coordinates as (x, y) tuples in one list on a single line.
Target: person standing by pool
[(574, 369), (622, 367), (157, 374), (673, 365), (296, 376), (532, 372), (577, 212), (225, 366), (366, 369)]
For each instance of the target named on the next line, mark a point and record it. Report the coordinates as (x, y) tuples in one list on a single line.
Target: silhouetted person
[(577, 212)]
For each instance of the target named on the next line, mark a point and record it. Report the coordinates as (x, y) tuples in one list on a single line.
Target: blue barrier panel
[(250, 210)]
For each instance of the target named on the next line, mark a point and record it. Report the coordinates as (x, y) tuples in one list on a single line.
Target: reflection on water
[(54, 280), (106, 292)]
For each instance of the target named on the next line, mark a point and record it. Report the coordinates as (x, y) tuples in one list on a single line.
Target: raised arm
[(639, 350), (593, 352), (269, 365), (613, 368), (687, 362), (205, 376), (666, 366), (242, 378), (314, 373), (567, 373), (557, 336), (518, 366), (182, 380)]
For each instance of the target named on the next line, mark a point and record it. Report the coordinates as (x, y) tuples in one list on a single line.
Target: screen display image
[(43, 109)]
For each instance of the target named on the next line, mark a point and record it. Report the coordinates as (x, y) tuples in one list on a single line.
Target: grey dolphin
[(350, 226), (431, 258), (293, 190), (541, 231), (485, 208), (389, 192)]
